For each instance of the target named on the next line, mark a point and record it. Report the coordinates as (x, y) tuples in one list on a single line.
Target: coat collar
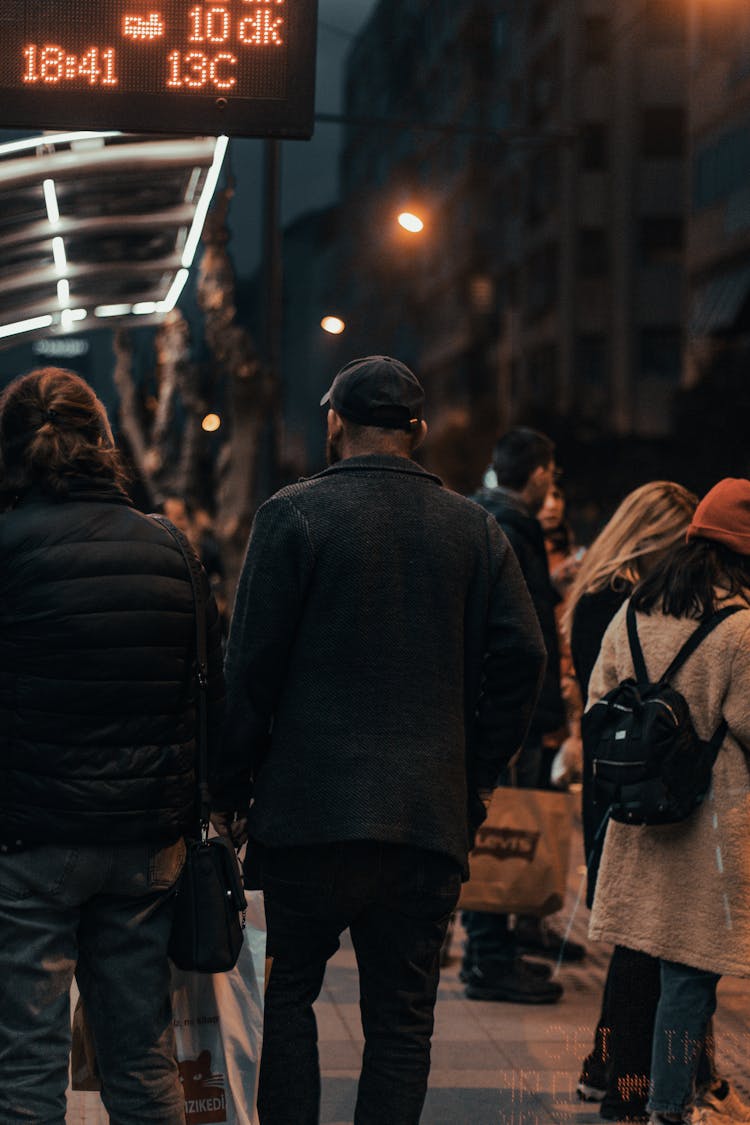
[(378, 462), (80, 489)]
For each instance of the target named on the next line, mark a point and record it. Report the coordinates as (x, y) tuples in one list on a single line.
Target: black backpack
[(649, 765)]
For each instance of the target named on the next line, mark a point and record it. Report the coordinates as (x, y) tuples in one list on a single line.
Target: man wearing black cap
[(383, 664)]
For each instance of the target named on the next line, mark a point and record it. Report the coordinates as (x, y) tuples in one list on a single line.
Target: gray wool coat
[(383, 663), (682, 892)]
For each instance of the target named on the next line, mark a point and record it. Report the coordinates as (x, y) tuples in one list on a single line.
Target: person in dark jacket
[(493, 968), (97, 748), (382, 667)]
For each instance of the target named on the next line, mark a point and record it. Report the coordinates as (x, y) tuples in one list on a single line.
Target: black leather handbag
[(210, 903)]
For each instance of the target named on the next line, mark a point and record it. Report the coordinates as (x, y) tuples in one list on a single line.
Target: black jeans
[(623, 1042), (396, 901)]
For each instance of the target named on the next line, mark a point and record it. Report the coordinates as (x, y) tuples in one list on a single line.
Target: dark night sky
[(310, 168)]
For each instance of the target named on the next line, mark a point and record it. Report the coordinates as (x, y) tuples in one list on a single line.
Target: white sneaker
[(587, 1093), (730, 1108)]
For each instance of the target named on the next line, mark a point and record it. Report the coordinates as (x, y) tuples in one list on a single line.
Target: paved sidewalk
[(493, 1064), (513, 1064)]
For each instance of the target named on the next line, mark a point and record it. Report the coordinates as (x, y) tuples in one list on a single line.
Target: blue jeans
[(105, 914), (396, 901), (686, 1004)]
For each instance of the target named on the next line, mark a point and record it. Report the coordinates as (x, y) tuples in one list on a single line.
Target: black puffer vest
[(97, 720)]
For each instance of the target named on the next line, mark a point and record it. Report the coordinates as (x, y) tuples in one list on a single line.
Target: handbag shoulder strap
[(201, 663)]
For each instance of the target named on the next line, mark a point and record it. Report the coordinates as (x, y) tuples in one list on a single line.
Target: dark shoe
[(538, 968), (518, 985), (594, 1080), (632, 1107), (614, 1109), (542, 941), (585, 1092)]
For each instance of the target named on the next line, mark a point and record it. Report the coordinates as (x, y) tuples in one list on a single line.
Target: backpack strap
[(639, 664), (697, 637), (687, 650)]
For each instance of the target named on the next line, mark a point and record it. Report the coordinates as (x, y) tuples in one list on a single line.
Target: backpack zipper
[(621, 707), (609, 762)]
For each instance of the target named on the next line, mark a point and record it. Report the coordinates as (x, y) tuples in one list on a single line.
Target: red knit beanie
[(724, 515)]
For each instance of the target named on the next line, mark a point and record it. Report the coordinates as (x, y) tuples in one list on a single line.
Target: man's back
[(368, 651), (525, 535)]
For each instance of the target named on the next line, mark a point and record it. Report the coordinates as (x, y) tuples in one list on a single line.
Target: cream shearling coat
[(682, 892)]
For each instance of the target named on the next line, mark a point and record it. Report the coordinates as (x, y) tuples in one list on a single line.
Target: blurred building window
[(662, 240), (593, 252), (540, 13), (661, 352), (516, 193), (501, 30), (516, 98), (721, 167), (714, 26), (542, 375), (543, 185), (663, 132), (665, 22), (591, 358), (544, 83), (594, 146), (597, 39), (541, 281)]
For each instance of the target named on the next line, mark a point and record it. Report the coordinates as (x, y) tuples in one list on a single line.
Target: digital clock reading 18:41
[(244, 66)]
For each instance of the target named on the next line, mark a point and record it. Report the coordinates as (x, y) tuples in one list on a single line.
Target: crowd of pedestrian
[(396, 652)]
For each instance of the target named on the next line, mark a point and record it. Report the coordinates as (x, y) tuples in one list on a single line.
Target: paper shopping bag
[(218, 1024), (519, 864)]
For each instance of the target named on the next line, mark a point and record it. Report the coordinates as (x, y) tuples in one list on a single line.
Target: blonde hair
[(649, 520)]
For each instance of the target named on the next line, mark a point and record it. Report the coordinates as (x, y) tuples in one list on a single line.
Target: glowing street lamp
[(211, 423), (334, 325), (410, 222)]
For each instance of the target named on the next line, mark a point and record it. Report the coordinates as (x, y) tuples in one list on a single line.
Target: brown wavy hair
[(53, 428)]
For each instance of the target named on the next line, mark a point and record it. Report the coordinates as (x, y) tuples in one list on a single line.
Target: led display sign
[(240, 67)]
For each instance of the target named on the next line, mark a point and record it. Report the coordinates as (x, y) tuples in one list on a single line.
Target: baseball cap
[(377, 391)]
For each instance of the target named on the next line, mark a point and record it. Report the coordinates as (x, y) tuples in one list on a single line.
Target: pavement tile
[(492, 1063)]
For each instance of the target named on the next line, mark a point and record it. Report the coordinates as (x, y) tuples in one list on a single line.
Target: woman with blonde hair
[(648, 523), (678, 892)]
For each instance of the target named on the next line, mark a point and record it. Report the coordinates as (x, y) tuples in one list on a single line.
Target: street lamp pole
[(273, 306)]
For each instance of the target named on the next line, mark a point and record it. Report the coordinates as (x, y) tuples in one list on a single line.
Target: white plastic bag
[(218, 1024)]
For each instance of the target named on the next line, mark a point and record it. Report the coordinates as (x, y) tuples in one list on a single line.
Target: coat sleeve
[(736, 707), (513, 666), (270, 595)]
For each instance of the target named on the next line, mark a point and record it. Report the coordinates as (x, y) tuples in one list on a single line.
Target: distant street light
[(333, 324), (411, 222), (211, 423)]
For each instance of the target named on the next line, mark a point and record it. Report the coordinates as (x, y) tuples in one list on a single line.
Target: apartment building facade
[(550, 167), (718, 242)]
